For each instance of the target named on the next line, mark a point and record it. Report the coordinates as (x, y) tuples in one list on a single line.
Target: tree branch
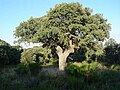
[(70, 49), (59, 50)]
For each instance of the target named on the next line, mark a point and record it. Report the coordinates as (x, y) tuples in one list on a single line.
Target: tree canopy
[(64, 22)]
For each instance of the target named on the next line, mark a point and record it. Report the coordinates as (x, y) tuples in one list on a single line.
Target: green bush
[(36, 54), (78, 69), (83, 69), (72, 69)]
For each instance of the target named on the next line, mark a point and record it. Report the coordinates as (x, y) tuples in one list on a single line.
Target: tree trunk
[(63, 55), (62, 62)]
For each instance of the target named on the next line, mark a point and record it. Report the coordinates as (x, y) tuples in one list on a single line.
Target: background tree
[(65, 27), (111, 52), (35, 55), (110, 42), (9, 55), (3, 43)]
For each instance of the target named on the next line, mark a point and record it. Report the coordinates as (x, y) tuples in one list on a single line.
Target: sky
[(13, 12)]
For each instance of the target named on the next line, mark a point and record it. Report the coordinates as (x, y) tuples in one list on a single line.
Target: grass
[(47, 80)]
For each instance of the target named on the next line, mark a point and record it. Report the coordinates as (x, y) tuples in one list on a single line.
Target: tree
[(110, 42), (35, 55), (65, 27), (4, 48), (111, 52), (8, 54), (3, 43)]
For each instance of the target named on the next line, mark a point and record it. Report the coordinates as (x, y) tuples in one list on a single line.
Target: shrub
[(72, 69), (33, 55), (78, 69), (83, 69)]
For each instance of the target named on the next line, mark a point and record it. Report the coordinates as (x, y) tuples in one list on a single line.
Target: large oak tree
[(65, 27)]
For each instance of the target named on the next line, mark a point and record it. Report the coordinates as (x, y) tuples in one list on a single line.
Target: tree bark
[(64, 54)]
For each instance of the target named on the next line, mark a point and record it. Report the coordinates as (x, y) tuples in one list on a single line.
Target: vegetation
[(100, 80), (71, 33), (112, 53), (32, 68), (9, 55), (36, 55)]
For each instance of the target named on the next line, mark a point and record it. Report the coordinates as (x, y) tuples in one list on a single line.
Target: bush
[(72, 69), (76, 69), (82, 68), (33, 55)]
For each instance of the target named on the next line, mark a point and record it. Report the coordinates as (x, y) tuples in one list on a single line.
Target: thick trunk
[(63, 55), (62, 62)]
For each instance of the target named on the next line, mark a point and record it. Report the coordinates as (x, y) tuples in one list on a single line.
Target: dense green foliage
[(81, 69), (83, 54), (9, 54), (35, 55), (112, 54), (65, 22)]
